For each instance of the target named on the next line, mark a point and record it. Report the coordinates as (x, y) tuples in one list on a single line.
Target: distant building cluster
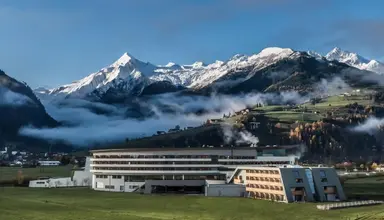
[(10, 157)]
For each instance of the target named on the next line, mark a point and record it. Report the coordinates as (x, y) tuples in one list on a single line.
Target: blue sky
[(53, 42)]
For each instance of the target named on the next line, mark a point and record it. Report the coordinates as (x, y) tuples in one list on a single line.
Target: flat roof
[(192, 148), (169, 149)]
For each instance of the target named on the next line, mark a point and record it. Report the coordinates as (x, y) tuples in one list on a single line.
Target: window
[(121, 188), (109, 186), (101, 176), (299, 180), (116, 177), (296, 173), (323, 176)]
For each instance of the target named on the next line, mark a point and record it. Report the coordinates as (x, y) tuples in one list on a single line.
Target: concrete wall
[(288, 179), (82, 178), (102, 184), (39, 183), (52, 183), (150, 183), (87, 166), (227, 190), (132, 186), (332, 180)]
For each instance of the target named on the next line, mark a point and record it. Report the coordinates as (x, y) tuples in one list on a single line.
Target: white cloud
[(10, 98), (85, 127), (371, 125)]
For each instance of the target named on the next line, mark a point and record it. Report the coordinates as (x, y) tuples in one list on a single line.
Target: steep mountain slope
[(19, 107), (299, 72), (355, 60)]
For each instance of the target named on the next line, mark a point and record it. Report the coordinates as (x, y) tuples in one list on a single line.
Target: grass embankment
[(335, 104), (85, 204), (365, 188)]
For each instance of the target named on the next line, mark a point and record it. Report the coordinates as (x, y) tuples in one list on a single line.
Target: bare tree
[(20, 177), (86, 181)]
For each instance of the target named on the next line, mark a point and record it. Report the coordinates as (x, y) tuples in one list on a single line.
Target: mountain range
[(133, 83), (130, 77)]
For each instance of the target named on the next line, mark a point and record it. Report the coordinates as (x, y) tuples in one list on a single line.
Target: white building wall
[(38, 183), (226, 190), (103, 184), (52, 183), (82, 178), (132, 186)]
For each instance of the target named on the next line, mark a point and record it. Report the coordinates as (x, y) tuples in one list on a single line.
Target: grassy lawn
[(269, 108), (365, 188), (10, 173), (290, 116), (337, 101), (86, 204)]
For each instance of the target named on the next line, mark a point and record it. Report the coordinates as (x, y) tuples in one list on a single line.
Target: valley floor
[(85, 204)]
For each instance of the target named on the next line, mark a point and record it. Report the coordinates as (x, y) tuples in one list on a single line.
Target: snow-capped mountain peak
[(345, 57), (125, 73), (170, 64), (216, 64), (198, 64), (124, 59), (275, 51), (355, 60), (373, 63), (315, 54)]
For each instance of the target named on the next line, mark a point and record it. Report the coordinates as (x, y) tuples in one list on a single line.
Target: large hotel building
[(213, 171)]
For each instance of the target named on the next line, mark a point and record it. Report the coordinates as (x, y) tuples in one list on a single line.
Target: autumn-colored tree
[(374, 166)]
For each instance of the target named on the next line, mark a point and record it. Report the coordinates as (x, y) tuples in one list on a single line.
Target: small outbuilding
[(216, 188)]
